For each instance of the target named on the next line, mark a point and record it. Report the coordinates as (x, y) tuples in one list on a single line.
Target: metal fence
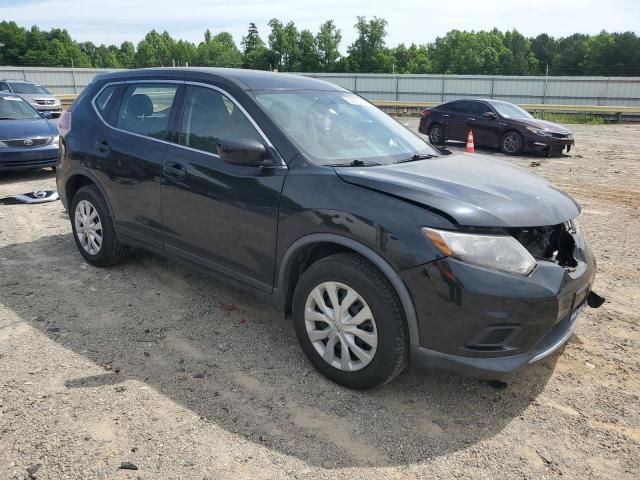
[(618, 91)]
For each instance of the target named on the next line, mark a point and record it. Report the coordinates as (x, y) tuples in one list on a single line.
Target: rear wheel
[(511, 143), (93, 229), (350, 323), (436, 134)]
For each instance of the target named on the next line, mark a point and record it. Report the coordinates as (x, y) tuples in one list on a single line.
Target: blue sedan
[(27, 138)]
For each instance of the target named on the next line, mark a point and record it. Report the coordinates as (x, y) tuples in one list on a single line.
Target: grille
[(45, 102), (27, 142), (564, 136)]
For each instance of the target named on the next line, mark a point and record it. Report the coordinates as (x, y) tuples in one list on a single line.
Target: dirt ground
[(154, 364)]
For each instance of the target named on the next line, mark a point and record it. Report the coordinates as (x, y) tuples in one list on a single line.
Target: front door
[(216, 214), (485, 130)]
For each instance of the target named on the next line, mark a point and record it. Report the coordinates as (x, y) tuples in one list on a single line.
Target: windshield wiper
[(355, 163), (8, 118), (415, 157)]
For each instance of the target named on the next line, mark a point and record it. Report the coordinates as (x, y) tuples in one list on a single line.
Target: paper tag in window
[(355, 100), (15, 99)]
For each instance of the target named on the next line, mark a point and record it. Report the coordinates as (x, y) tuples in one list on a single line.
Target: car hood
[(14, 129), (543, 124), (474, 190)]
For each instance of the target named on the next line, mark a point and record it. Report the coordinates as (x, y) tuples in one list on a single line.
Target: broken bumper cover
[(549, 145), (486, 324)]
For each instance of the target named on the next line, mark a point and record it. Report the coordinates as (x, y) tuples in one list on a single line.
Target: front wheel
[(350, 322), (511, 143)]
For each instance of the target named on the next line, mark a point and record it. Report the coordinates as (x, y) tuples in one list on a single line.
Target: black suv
[(381, 247)]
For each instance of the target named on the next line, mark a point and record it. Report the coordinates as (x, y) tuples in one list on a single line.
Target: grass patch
[(570, 118)]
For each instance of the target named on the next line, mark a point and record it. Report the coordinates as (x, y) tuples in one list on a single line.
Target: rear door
[(129, 151), (456, 120), (216, 214), (486, 131)]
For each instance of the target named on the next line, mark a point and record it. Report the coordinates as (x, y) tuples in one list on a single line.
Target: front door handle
[(445, 115), (471, 118), (102, 146), (174, 170)]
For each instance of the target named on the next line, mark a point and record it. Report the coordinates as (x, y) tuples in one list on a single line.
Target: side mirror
[(489, 115), (243, 151)]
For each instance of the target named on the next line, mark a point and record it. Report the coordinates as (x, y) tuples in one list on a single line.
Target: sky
[(419, 21)]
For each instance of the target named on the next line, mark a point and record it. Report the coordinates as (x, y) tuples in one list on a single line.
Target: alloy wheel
[(511, 143), (341, 326), (88, 227), (435, 135)]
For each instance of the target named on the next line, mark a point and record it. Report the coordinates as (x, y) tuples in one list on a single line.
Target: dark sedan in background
[(494, 124), (27, 138)]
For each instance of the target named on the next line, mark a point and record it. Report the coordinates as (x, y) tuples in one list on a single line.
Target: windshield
[(340, 127), (509, 110), (29, 88), (15, 108)]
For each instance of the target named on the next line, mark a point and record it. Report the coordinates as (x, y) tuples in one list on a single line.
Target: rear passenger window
[(210, 116), (145, 109)]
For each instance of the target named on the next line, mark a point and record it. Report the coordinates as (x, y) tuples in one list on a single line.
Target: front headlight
[(56, 140), (539, 131), (3, 144), (500, 252)]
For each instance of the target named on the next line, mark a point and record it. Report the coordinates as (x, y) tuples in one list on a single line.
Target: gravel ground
[(153, 364)]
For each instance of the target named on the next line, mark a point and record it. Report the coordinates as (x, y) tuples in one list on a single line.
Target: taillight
[(64, 123), (426, 112)]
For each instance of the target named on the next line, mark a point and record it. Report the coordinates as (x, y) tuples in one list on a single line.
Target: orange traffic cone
[(470, 147)]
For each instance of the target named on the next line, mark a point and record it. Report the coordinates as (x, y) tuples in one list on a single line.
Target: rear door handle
[(174, 170), (471, 118), (445, 115), (103, 146)]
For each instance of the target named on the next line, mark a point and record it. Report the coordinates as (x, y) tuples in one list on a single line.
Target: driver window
[(208, 117)]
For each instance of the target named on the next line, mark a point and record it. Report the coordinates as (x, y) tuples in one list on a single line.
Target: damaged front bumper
[(550, 146), (482, 323)]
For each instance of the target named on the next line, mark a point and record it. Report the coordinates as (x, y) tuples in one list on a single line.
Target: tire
[(436, 134), (87, 203), (377, 361), (511, 143)]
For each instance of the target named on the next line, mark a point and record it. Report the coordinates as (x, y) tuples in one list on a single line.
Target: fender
[(82, 172), (388, 271)]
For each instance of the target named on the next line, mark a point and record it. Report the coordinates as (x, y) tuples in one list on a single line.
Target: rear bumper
[(485, 324), (26, 158)]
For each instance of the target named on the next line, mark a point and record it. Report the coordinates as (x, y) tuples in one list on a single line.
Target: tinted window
[(103, 99), (480, 108), (460, 107), (210, 116), (145, 109)]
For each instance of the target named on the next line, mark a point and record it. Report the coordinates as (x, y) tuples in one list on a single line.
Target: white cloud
[(113, 21)]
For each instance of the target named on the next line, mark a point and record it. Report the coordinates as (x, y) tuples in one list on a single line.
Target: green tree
[(368, 53), (518, 59), (127, 55), (219, 51), (328, 40)]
